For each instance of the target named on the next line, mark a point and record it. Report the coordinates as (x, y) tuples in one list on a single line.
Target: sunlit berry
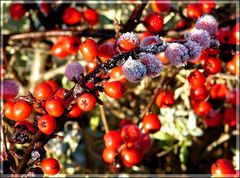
[(127, 41), (208, 23)]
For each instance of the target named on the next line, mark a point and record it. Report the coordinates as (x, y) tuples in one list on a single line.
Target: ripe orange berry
[(114, 89)]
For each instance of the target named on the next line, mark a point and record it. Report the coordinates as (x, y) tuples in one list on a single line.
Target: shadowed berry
[(73, 71), (134, 71)]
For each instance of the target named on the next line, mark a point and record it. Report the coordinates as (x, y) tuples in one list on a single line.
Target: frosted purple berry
[(150, 40), (133, 70), (177, 54), (200, 36), (194, 49), (208, 23), (73, 71), (10, 89), (152, 64)]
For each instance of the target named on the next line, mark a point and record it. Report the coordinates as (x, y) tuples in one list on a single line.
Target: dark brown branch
[(51, 33), (134, 19)]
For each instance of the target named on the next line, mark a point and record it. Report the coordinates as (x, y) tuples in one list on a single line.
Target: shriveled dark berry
[(21, 135)]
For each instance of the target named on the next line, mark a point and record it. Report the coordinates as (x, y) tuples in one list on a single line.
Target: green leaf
[(163, 136), (183, 153), (94, 122)]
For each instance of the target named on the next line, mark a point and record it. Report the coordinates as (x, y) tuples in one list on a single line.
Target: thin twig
[(104, 119)]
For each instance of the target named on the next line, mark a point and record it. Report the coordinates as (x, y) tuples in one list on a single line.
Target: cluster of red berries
[(197, 9), (203, 93), (72, 16), (129, 144)]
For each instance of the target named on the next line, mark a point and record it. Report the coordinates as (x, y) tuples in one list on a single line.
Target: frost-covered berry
[(200, 36), (133, 70), (127, 41), (10, 89), (208, 23), (152, 64), (73, 71), (150, 40), (194, 49), (177, 54)]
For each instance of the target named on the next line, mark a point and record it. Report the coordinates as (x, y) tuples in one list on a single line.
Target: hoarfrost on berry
[(10, 89), (150, 40), (152, 64), (133, 70), (200, 36), (73, 71), (177, 54), (208, 23), (194, 49)]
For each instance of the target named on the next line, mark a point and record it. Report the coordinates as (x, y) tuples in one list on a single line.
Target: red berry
[(91, 66), (202, 108), (61, 92), (124, 122), (151, 123), (27, 124), (206, 6), (52, 83), (116, 74), (50, 166), (230, 117), (71, 16), (221, 167), (114, 89), (75, 112), (71, 44), (44, 8), (22, 110), (43, 91), (131, 156), (113, 139), (86, 102), (212, 65), (17, 11), (8, 110), (199, 94), (161, 6), (144, 142), (213, 118), (91, 16), (233, 65), (164, 99), (144, 35), (196, 79), (54, 107), (154, 22), (232, 95), (161, 56), (58, 50), (193, 11), (108, 155), (106, 51), (218, 91), (89, 49), (46, 124), (127, 41), (130, 133)]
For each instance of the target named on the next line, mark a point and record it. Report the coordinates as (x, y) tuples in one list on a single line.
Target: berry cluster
[(129, 144)]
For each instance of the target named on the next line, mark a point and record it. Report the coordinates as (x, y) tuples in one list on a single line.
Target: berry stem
[(104, 119)]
